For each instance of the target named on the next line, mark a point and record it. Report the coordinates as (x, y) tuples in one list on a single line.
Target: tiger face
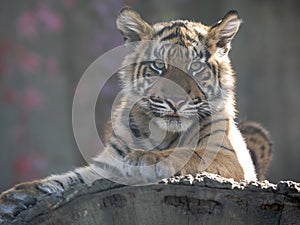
[(180, 69)]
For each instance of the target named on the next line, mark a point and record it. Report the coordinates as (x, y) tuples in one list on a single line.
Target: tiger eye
[(159, 64), (196, 66)]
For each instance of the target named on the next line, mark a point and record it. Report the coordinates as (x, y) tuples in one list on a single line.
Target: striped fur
[(177, 113)]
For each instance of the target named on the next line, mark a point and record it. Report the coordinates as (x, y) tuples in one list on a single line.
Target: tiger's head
[(180, 69)]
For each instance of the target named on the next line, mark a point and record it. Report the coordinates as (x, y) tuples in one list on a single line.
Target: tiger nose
[(176, 102)]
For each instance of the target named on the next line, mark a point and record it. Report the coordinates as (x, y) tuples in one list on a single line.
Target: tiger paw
[(148, 166), (142, 158), (24, 196)]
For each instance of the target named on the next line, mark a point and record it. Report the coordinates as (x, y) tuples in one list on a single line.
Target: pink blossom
[(51, 66), (52, 20), (32, 99), (29, 63), (27, 24)]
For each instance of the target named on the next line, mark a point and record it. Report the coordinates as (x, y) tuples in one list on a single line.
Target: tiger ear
[(224, 31), (132, 26)]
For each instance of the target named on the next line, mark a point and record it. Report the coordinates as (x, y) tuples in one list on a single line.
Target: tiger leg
[(183, 161), (24, 195), (223, 163)]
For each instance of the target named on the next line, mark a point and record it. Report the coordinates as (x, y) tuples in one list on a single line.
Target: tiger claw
[(24, 196), (27, 200), (13, 203), (11, 210)]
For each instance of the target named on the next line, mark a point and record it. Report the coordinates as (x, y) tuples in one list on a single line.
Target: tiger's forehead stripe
[(184, 33), (170, 28), (195, 31)]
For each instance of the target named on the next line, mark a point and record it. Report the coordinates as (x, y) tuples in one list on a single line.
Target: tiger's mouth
[(174, 115), (173, 121)]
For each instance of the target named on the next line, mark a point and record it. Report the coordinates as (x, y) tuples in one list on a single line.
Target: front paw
[(25, 195), (142, 158), (147, 166)]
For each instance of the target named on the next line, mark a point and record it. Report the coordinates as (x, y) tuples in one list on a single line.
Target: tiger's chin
[(176, 124)]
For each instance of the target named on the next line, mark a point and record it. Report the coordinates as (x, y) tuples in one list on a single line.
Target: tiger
[(176, 114)]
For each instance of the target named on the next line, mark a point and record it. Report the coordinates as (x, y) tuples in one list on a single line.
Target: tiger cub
[(176, 114)]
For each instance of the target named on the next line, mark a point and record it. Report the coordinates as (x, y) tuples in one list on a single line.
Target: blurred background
[(46, 45)]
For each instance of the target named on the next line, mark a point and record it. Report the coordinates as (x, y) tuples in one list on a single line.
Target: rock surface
[(203, 199)]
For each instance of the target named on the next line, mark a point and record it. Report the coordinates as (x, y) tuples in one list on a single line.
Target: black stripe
[(71, 180), (175, 137), (171, 106), (170, 36), (190, 39), (224, 147), (134, 127), (178, 35), (123, 142), (141, 64), (200, 36), (60, 183), (176, 24), (137, 74), (203, 112), (214, 70), (218, 69), (199, 156), (210, 134), (118, 150), (144, 71), (212, 122), (254, 159), (135, 61), (207, 55), (199, 54), (133, 65), (80, 178)]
